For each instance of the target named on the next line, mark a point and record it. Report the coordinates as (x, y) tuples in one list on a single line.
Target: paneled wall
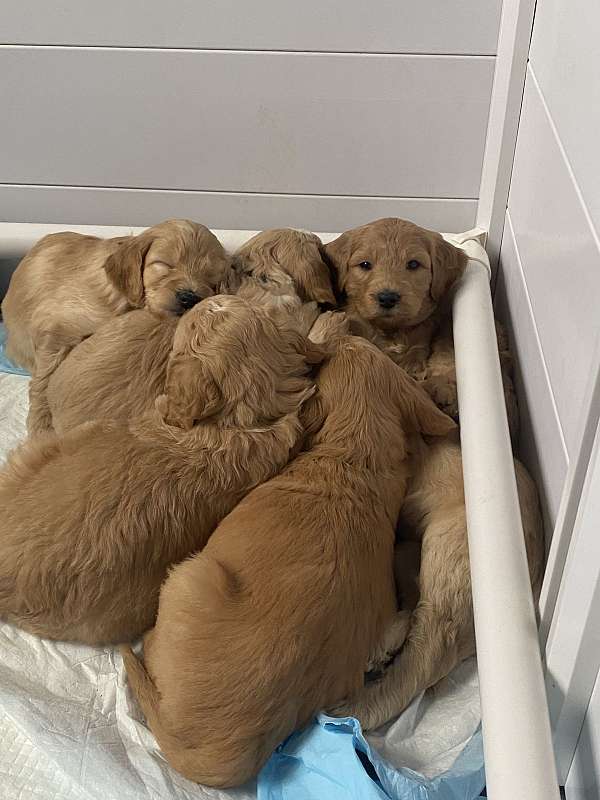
[(245, 115), (550, 260)]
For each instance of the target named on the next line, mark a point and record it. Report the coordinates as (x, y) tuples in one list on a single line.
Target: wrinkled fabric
[(433, 751), (6, 365)]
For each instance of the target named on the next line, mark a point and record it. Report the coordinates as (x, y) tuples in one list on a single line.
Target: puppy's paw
[(443, 392), (354, 708), (391, 642)]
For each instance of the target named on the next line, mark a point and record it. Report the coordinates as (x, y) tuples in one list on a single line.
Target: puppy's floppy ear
[(418, 409), (447, 265), (125, 267), (191, 393), (338, 254), (312, 274)]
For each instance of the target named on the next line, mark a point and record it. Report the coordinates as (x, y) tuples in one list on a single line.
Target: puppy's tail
[(144, 689)]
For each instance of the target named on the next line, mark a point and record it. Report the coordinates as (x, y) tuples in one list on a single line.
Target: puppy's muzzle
[(388, 299), (186, 299)]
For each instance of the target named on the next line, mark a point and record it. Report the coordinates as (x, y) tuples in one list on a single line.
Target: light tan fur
[(119, 371), (68, 285), (417, 335), (277, 617), (92, 520), (275, 255)]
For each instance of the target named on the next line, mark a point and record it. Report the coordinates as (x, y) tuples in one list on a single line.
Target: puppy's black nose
[(186, 299), (387, 298)]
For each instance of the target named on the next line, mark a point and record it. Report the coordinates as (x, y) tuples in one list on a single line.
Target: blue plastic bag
[(5, 364), (331, 760)]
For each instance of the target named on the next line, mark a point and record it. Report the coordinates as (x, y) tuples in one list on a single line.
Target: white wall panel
[(427, 26), (85, 206), (573, 645), (321, 124), (560, 260), (541, 442), (565, 57), (583, 781)]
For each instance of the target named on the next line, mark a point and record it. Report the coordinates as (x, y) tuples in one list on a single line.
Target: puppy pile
[(252, 460)]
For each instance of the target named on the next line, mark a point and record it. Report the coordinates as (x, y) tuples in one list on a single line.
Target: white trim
[(519, 758), (516, 23), (573, 647)]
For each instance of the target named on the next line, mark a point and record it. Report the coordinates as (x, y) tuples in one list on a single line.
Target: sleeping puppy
[(397, 280), (278, 616), (418, 268), (275, 256), (119, 371), (92, 520), (68, 285)]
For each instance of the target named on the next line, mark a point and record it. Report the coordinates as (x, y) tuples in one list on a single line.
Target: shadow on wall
[(528, 449), (7, 267)]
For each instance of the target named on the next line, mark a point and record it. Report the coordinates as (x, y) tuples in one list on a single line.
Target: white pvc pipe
[(519, 759)]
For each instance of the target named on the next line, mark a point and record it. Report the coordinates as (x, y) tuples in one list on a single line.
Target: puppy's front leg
[(390, 643), (51, 349), (440, 374)]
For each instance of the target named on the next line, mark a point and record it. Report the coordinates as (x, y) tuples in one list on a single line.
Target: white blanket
[(69, 729)]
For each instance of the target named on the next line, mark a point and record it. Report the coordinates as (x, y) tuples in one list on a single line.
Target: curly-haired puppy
[(397, 279), (275, 256), (68, 285), (278, 616), (92, 520), (120, 370)]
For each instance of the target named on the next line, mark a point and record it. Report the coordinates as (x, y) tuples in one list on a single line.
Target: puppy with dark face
[(68, 285), (92, 520)]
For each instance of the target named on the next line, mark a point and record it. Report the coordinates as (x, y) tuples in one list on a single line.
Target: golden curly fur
[(276, 618), (401, 301), (92, 520), (274, 256), (119, 371), (68, 285)]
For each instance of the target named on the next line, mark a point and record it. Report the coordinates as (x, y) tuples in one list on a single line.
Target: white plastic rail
[(519, 759)]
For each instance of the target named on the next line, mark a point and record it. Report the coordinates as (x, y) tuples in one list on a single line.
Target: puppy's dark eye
[(262, 278), (413, 264), (366, 265)]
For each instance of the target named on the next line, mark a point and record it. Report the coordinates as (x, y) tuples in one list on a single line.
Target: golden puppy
[(69, 284), (397, 279), (275, 255), (119, 371), (91, 521), (278, 616)]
